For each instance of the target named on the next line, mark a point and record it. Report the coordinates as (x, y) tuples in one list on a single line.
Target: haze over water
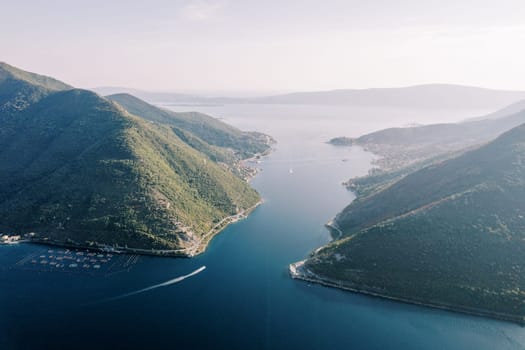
[(245, 299)]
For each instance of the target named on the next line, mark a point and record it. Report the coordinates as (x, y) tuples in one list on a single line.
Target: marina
[(77, 261)]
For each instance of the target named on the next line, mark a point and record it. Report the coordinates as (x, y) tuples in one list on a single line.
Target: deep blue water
[(244, 299)]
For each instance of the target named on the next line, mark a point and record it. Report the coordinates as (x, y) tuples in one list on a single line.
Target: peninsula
[(83, 170), (449, 234)]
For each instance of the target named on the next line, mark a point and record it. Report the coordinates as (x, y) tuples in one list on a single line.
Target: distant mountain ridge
[(435, 96), (404, 146), (149, 96), (79, 169), (503, 112), (440, 96)]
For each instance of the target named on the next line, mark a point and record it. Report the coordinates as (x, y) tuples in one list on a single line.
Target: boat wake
[(163, 284)]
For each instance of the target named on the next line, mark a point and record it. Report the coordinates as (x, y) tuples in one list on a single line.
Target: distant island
[(447, 231), (115, 172)]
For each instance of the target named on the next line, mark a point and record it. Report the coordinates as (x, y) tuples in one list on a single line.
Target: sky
[(244, 46)]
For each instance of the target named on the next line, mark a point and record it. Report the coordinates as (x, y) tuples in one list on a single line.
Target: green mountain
[(19, 89), (399, 147), (78, 169), (207, 128), (449, 235)]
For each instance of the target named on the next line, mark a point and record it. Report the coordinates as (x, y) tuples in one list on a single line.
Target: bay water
[(244, 299)]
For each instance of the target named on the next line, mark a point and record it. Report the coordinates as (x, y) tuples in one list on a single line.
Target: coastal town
[(15, 239)]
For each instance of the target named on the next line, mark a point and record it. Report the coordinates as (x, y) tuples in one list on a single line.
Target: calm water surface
[(244, 299)]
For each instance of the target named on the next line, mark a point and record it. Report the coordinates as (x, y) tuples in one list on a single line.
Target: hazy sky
[(267, 45)]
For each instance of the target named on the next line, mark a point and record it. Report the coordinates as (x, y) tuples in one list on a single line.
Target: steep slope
[(207, 128), (19, 89), (78, 169), (450, 235)]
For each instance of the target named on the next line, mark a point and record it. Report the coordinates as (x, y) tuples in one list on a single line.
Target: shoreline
[(197, 248), (201, 246), (113, 250), (333, 228), (298, 271)]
